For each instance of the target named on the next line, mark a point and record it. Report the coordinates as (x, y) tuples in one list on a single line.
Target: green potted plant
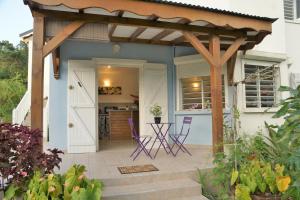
[(156, 111), (257, 180)]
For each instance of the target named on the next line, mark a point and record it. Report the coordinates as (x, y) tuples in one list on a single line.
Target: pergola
[(209, 31)]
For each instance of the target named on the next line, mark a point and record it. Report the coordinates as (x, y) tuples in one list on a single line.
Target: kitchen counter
[(119, 127)]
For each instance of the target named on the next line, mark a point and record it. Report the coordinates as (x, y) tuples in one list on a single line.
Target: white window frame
[(278, 82), (183, 62)]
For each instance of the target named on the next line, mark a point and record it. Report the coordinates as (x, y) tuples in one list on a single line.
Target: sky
[(15, 18)]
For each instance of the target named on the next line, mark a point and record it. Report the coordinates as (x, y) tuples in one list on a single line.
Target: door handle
[(71, 125), (71, 87)]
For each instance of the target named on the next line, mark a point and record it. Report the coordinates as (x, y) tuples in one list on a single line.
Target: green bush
[(73, 185)]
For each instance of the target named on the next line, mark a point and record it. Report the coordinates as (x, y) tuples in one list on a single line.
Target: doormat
[(137, 169)]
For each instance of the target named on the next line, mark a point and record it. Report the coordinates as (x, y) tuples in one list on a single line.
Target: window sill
[(295, 21), (199, 112), (260, 110)]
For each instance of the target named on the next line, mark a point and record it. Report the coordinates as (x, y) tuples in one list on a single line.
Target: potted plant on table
[(156, 111), (257, 180)]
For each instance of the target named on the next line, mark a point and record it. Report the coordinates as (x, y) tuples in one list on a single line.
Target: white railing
[(20, 112)]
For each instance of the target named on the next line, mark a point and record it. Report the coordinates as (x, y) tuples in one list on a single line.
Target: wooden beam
[(56, 62), (167, 43), (216, 94), (62, 36), (142, 23), (141, 30), (165, 33), (230, 68), (37, 85), (181, 39), (232, 49), (200, 47), (114, 26), (167, 11)]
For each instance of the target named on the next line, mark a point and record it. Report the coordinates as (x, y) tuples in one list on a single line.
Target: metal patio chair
[(140, 141), (180, 138)]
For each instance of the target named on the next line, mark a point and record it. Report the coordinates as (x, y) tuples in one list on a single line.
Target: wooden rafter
[(167, 43), (230, 68), (56, 62), (114, 26), (62, 36), (141, 30), (141, 23), (165, 33), (232, 49), (168, 11), (199, 47)]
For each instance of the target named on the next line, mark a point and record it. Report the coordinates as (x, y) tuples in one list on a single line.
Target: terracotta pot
[(266, 197)]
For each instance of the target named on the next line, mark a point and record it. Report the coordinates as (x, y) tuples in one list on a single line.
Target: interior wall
[(127, 78)]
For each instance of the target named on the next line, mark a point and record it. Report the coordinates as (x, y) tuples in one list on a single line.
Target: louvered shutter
[(289, 9), (298, 8), (260, 86)]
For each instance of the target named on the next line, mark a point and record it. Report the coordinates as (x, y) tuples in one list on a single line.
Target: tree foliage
[(13, 77)]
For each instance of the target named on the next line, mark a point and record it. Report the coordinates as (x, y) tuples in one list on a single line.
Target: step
[(198, 197), (159, 190), (149, 178)]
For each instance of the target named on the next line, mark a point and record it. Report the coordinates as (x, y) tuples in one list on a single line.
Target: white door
[(82, 107), (153, 89)]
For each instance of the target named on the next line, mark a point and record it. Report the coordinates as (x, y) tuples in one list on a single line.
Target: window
[(298, 9), (260, 86), (196, 92), (291, 9)]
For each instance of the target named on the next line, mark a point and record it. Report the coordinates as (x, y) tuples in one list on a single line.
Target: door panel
[(82, 107), (153, 89)]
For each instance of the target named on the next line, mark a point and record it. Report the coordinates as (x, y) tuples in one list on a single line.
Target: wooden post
[(216, 93), (37, 73)]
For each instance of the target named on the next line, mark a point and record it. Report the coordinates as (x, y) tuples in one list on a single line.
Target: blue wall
[(83, 50)]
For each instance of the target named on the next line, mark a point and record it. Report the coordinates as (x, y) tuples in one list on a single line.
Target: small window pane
[(196, 93)]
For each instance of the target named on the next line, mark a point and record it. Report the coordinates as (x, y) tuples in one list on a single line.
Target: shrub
[(283, 143), (72, 185), (20, 154), (258, 177)]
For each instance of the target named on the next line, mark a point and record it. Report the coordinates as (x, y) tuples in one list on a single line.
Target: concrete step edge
[(148, 178), (184, 185)]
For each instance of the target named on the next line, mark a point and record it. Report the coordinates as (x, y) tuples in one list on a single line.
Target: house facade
[(173, 76)]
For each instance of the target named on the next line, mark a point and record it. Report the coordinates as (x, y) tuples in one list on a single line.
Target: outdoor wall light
[(106, 83)]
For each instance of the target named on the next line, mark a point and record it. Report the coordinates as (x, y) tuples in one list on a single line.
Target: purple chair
[(141, 141), (180, 138)]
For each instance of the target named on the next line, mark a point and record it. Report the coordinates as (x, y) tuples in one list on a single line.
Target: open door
[(153, 89), (82, 107)]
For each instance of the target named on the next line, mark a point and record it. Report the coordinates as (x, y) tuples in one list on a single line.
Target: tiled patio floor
[(103, 164)]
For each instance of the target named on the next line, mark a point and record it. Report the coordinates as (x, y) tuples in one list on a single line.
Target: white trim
[(264, 56), (119, 62), (183, 60)]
